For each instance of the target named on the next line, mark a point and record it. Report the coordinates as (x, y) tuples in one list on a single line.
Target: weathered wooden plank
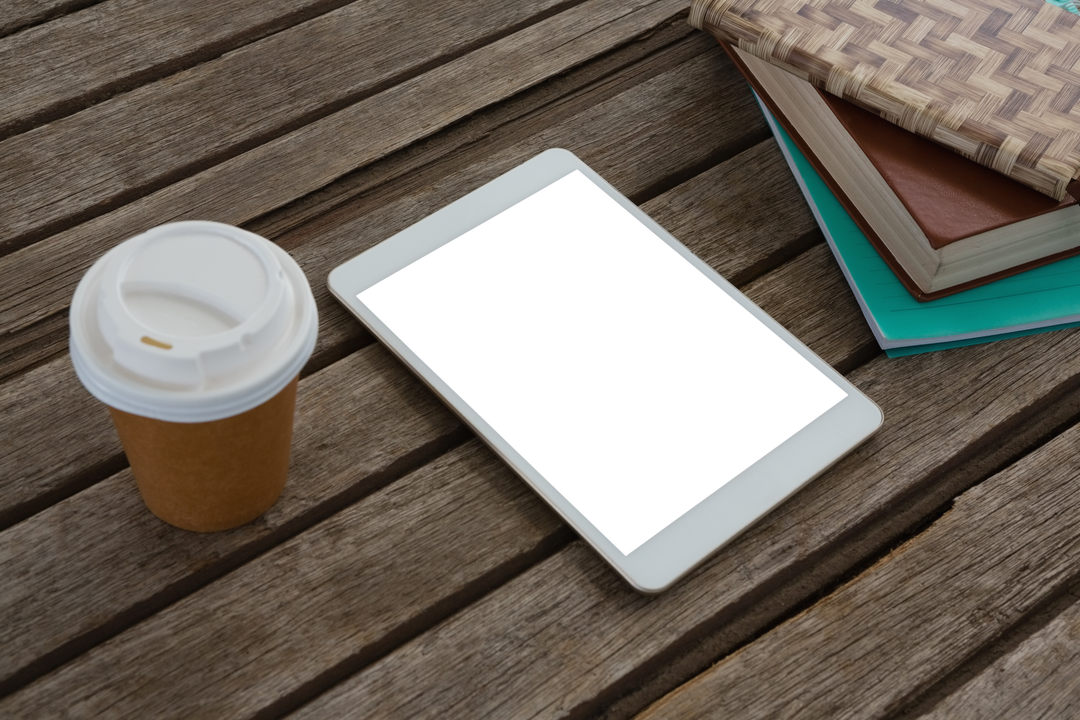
[(1038, 679), (336, 595), (567, 637), (85, 57), (1004, 547), (840, 336), (556, 98), (466, 141), (124, 148), (33, 345), (676, 114), (55, 439), (38, 281), (19, 14), (724, 216), (71, 570)]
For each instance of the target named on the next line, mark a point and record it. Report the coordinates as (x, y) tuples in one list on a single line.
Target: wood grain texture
[(1039, 680), (568, 638), (723, 215), (429, 160), (73, 568), (143, 140), (38, 281), (556, 98), (841, 336), (32, 346), (80, 59), (337, 594), (1002, 548), (658, 126), (54, 435), (19, 14)]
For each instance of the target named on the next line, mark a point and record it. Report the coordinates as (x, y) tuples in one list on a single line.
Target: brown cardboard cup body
[(213, 475)]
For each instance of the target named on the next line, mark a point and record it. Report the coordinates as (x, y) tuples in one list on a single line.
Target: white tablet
[(650, 403)]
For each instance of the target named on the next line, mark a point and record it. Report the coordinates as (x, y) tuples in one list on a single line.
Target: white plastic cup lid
[(191, 322)]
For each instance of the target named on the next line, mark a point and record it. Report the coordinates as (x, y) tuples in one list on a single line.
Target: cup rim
[(123, 390)]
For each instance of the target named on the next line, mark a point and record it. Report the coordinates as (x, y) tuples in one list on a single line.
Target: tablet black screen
[(628, 379)]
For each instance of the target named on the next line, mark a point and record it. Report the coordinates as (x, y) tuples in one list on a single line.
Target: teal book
[(1046, 298)]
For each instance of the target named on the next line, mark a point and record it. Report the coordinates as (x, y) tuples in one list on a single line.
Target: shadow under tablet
[(620, 372)]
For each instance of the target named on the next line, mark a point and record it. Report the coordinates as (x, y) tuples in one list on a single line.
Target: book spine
[(724, 20)]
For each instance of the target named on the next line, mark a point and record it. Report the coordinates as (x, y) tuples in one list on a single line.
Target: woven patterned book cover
[(998, 81)]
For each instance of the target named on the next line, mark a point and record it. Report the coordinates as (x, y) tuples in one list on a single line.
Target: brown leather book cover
[(936, 186), (994, 80), (950, 197)]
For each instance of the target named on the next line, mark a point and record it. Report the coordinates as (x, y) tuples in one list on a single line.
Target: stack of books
[(939, 249)]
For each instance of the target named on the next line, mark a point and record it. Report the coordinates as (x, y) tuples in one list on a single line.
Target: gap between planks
[(1035, 679), (22, 14), (81, 59), (66, 172), (510, 121)]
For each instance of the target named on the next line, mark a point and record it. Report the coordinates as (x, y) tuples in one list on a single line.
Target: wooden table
[(406, 572)]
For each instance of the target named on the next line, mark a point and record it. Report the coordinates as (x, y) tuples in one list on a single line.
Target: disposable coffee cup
[(194, 334)]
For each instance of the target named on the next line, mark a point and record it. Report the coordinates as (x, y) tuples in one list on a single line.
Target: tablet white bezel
[(694, 536)]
